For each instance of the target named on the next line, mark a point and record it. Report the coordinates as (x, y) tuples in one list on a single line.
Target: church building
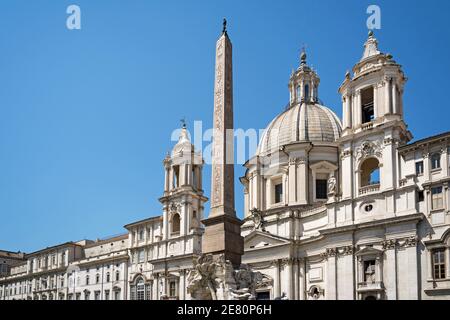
[(334, 209)]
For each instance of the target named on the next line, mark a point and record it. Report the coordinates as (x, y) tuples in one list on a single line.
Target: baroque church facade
[(345, 210)]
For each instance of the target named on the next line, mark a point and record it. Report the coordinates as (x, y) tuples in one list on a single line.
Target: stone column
[(292, 176), (277, 280), (302, 279), (302, 193), (394, 98), (387, 93), (166, 178), (166, 222), (357, 108), (348, 113), (331, 283)]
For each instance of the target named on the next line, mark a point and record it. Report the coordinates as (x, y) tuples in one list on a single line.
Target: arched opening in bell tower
[(367, 105)]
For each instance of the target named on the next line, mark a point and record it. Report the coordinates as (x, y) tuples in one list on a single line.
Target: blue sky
[(86, 116)]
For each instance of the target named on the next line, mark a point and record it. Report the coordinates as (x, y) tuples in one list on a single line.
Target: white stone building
[(333, 209)]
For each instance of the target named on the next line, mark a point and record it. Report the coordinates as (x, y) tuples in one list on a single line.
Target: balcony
[(369, 189), (370, 286)]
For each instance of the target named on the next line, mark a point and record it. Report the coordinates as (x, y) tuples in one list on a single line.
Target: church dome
[(305, 122)]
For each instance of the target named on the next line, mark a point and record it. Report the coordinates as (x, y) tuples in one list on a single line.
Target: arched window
[(117, 275), (108, 277), (306, 92), (140, 289), (298, 93), (435, 161), (370, 172), (176, 223)]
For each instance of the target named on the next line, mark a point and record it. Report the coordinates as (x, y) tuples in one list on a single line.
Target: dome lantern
[(304, 83)]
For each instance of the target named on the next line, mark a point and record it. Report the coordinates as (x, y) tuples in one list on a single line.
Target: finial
[(347, 75), (183, 122), (224, 30), (370, 33), (303, 55)]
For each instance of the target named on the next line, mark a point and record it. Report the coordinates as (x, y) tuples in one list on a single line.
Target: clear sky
[(86, 115)]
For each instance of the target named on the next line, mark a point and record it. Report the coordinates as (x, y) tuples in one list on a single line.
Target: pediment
[(323, 166), (368, 251), (260, 239)]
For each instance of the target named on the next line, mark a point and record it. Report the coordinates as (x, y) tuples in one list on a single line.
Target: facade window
[(278, 193), (437, 199), (62, 281), (141, 235), (117, 295), (176, 223), (97, 278), (263, 295), (370, 172), (420, 196), (141, 256), (140, 290), (419, 167), (435, 161), (117, 275), (97, 295), (367, 105), (87, 295), (439, 264), (172, 289), (78, 296), (321, 189), (108, 277), (106, 294), (369, 271), (87, 280)]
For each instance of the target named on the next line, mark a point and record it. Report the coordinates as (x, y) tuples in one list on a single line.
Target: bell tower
[(373, 125), (183, 200), (374, 94)]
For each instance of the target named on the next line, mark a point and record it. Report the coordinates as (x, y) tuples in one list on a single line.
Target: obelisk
[(222, 228)]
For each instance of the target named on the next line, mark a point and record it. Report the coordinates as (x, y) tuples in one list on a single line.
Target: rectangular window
[(321, 189), (106, 294), (148, 292), (97, 295), (278, 193), (437, 198), (263, 295), (173, 290), (141, 255), (419, 167), (439, 264), (435, 161), (369, 271), (420, 196), (117, 295)]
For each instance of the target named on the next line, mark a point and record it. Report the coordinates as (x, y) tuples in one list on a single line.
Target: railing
[(369, 189), (367, 126)]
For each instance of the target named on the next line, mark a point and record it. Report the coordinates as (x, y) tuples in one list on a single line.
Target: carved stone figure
[(332, 185)]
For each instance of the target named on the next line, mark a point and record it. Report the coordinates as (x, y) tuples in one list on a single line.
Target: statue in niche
[(332, 185)]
